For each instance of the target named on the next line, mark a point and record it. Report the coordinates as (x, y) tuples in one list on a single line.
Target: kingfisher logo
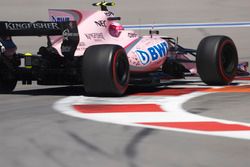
[(60, 18), (153, 53)]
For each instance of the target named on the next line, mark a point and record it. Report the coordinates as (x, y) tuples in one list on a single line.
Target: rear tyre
[(6, 87), (105, 70), (217, 60), (7, 82)]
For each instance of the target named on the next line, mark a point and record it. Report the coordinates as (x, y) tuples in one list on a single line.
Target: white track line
[(172, 106)]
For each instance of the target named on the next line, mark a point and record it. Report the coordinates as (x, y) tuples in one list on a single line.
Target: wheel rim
[(228, 55), (121, 66)]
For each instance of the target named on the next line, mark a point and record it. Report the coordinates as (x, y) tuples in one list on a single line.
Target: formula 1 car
[(91, 48)]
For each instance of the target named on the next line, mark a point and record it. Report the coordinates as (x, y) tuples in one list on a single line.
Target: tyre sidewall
[(120, 83), (227, 77)]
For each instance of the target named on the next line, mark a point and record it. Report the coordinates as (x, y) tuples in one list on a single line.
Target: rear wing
[(67, 29), (36, 29)]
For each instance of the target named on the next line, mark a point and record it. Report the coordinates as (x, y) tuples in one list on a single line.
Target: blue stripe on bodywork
[(128, 48)]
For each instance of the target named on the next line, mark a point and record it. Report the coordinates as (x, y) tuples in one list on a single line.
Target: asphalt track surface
[(33, 134)]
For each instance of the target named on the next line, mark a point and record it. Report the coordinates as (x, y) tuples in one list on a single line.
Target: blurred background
[(32, 134)]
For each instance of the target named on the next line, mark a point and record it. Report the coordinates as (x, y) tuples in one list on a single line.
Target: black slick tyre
[(7, 82), (217, 60), (105, 70)]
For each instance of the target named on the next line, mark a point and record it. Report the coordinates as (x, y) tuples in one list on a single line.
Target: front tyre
[(105, 70), (217, 60)]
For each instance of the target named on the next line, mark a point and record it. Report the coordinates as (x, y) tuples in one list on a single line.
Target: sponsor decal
[(81, 48), (81, 44), (132, 35), (23, 26), (60, 18), (108, 13), (101, 23), (152, 53), (95, 36), (66, 34)]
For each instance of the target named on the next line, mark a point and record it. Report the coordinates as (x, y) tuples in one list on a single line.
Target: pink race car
[(93, 49)]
